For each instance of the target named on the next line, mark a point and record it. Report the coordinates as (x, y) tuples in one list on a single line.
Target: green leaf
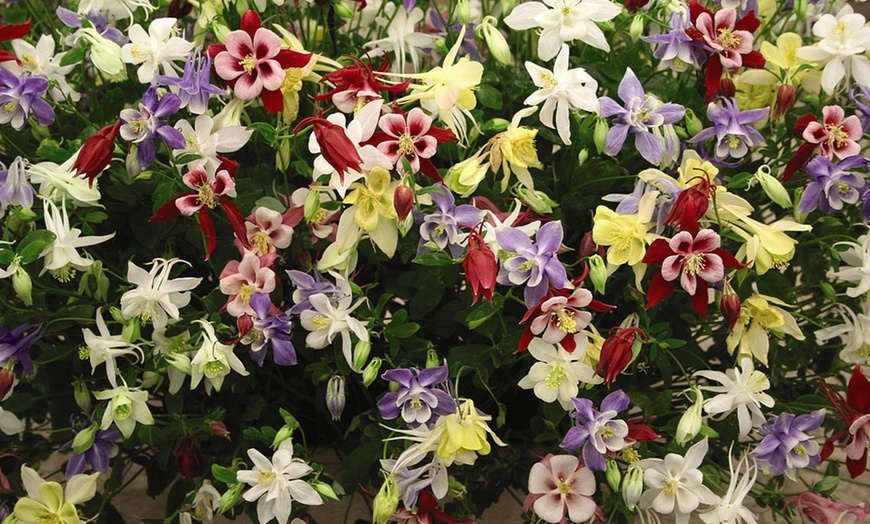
[(6, 257), (437, 259), (272, 203), (74, 56), (402, 330), (489, 97), (223, 474), (264, 129), (33, 244), (826, 486), (51, 150)]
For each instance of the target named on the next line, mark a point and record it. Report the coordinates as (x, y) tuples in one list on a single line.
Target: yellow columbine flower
[(464, 177), (290, 88), (514, 151), (759, 317), (627, 235), (461, 437), (373, 200), (48, 503), (767, 246)]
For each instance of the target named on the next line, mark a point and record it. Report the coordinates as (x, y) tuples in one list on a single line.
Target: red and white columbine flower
[(241, 280), (836, 135), (269, 230), (410, 136), (253, 63)]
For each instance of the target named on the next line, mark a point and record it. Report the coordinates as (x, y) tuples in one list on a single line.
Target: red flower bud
[(726, 87), (616, 353), (96, 153), (784, 100), (7, 378), (480, 267), (187, 459), (588, 247), (179, 9), (335, 146), (403, 201), (219, 429), (730, 308)]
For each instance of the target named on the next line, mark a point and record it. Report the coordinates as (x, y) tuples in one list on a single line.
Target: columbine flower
[(560, 318), (277, 483), (626, 235), (563, 21), (536, 264), (787, 445), (270, 329), (41, 60), (643, 116), (844, 39), (561, 90), (327, 319), (419, 399), (413, 483), (401, 38), (126, 408), (14, 188), (560, 486), (855, 412), (269, 230), (855, 259), (825, 511), (759, 316), (441, 226), (143, 126), (155, 49), (730, 508), (836, 135), (157, 298), (412, 137), (461, 437), (596, 431), (20, 97), (204, 141), (356, 84), (307, 285), (854, 334), (741, 389), (15, 346), (734, 135), (194, 86), (62, 255), (241, 280), (373, 211), (833, 185), (97, 455), (557, 374), (60, 182), (676, 49), (9, 423), (213, 360), (674, 484), (48, 502), (105, 348)]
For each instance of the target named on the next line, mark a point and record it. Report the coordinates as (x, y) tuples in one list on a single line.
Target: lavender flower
[(860, 96), (15, 346), (142, 126), (628, 202), (14, 188), (194, 86), (270, 329), (21, 97), (441, 227), (645, 117), (676, 49), (468, 47), (833, 185), (535, 264), (97, 455), (99, 21), (412, 481), (418, 398), (596, 431), (307, 286), (734, 135), (787, 445)]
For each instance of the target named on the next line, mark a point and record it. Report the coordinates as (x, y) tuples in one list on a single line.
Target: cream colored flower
[(760, 316)]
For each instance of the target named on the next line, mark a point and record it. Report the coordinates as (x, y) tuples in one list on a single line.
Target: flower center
[(84, 352), (416, 403), (800, 450), (837, 136), (566, 11), (555, 377), (9, 107), (206, 196), (245, 293), (261, 242), (548, 81), (607, 432), (564, 319), (319, 323), (563, 487), (265, 478), (64, 274), (733, 141), (406, 144), (28, 61), (843, 188), (122, 412), (630, 455), (841, 33), (215, 368), (727, 38), (526, 266), (139, 125), (192, 142), (671, 486), (439, 230), (695, 263), (249, 63)]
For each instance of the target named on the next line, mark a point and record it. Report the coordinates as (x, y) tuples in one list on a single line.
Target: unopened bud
[(599, 135), (495, 41), (800, 8), (342, 10), (785, 96), (131, 162), (432, 360), (7, 379), (361, 352), (588, 247), (370, 373), (727, 89), (179, 361), (283, 434), (230, 115), (283, 152), (828, 291), (455, 488), (403, 201), (612, 474), (231, 497), (582, 156), (324, 489), (311, 206), (130, 331), (220, 32), (772, 187), (538, 201), (690, 423), (693, 123), (598, 272), (84, 439), (150, 379), (82, 396), (335, 396), (729, 305), (219, 429), (635, 31), (632, 486), (23, 286), (386, 501), (463, 13)]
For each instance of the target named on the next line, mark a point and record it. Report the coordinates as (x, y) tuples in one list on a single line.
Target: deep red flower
[(616, 352), (480, 267), (7, 378), (692, 203), (11, 32), (96, 153), (357, 84), (188, 460), (335, 146), (729, 305), (638, 430), (855, 411)]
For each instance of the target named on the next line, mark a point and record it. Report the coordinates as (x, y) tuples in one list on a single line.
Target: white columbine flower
[(48, 502), (563, 21), (115, 9), (61, 254), (41, 60), (562, 90), (402, 36), (675, 485), (327, 320), (202, 139), (205, 503), (730, 509), (213, 360), (105, 348), (741, 389), (844, 40), (9, 423), (855, 268), (58, 182), (558, 374), (155, 49), (105, 54), (126, 408), (277, 483), (854, 334), (157, 298)]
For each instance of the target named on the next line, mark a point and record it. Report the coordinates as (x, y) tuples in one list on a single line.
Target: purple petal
[(615, 139), (616, 401), (387, 406), (512, 240), (649, 146), (173, 137), (630, 87), (549, 237), (431, 376), (608, 107)]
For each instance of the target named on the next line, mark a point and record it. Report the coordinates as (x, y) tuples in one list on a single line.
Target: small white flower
[(48, 502), (115, 9), (277, 483), (741, 390), (62, 252), (58, 182), (854, 334), (206, 502), (401, 38), (126, 408), (157, 298), (213, 360), (558, 374), (41, 60), (730, 509), (328, 319), (202, 139), (155, 49), (105, 348), (844, 40), (855, 266), (562, 90)]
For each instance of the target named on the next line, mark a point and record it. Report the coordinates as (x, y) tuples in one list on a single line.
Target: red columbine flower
[(357, 84), (207, 196), (692, 203), (253, 63), (413, 137), (480, 267), (855, 411), (616, 352), (729, 305), (96, 153), (188, 461), (7, 378), (11, 32), (730, 39), (834, 136), (335, 146)]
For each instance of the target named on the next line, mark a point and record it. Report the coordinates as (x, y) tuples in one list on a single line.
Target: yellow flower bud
[(386, 501)]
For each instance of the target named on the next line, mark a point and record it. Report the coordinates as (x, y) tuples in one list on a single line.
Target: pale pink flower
[(251, 62), (836, 134), (693, 258), (721, 36), (240, 280), (824, 511), (207, 191), (268, 230), (409, 138), (561, 315), (559, 485)]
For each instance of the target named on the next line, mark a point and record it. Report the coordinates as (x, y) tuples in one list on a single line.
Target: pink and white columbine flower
[(269, 230), (561, 316), (836, 134), (693, 258), (409, 138), (560, 485), (721, 35), (240, 280), (251, 62)]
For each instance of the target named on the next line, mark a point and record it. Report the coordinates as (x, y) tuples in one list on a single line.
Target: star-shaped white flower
[(126, 408), (157, 298), (213, 360), (105, 348), (844, 41), (155, 49), (329, 319), (557, 374), (402, 38), (204, 140), (741, 390), (62, 252)]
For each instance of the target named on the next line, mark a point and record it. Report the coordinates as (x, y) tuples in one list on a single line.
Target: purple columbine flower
[(676, 49), (15, 346), (142, 126), (21, 97), (98, 455), (628, 202), (418, 399), (535, 264), (194, 86), (734, 135), (787, 445), (596, 431), (270, 329), (645, 117), (469, 44), (833, 184), (441, 227), (14, 187), (412, 481), (307, 286), (99, 21)]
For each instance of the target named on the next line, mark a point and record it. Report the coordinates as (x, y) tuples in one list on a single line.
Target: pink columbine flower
[(207, 192), (836, 134), (824, 511), (269, 230), (561, 316), (560, 485), (407, 136), (241, 280), (693, 258), (722, 36)]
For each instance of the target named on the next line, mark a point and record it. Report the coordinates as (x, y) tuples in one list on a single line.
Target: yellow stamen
[(249, 63)]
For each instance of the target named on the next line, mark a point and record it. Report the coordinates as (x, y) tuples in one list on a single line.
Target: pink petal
[(393, 124), (852, 126), (541, 479), (249, 266), (833, 115), (227, 66), (682, 243), (550, 507), (248, 87), (418, 122), (714, 269), (271, 74), (672, 267), (580, 507), (195, 178), (188, 204), (425, 146), (239, 44), (564, 466), (223, 183), (689, 282), (725, 18), (705, 241), (704, 23), (266, 44), (746, 40)]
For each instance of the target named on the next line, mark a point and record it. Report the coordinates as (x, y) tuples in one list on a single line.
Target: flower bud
[(635, 31), (617, 352), (828, 291), (105, 54), (693, 123), (785, 96), (231, 497), (150, 379), (283, 434), (508, 5), (403, 201), (582, 156), (188, 460), (632, 486), (480, 267), (432, 360), (690, 423), (344, 11), (599, 135), (386, 501), (727, 89), (23, 286), (7, 379), (84, 439), (537, 200), (311, 206), (464, 177), (455, 488), (729, 305), (598, 272), (219, 429), (324, 489), (82, 396), (370, 373), (495, 41), (179, 361), (772, 187), (220, 31), (230, 115), (283, 153), (612, 474), (361, 352), (131, 163), (130, 331), (800, 8), (463, 12), (335, 396)]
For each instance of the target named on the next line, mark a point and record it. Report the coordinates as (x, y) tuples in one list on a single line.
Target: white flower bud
[(690, 423), (772, 187), (632, 486)]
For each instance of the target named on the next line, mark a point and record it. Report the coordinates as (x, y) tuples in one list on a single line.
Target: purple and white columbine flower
[(15, 346), (412, 481), (833, 184), (194, 86), (536, 264), (14, 187), (441, 226), (306, 286), (734, 135), (596, 431), (98, 20), (676, 49), (418, 399), (270, 329), (97, 456), (142, 126), (20, 97), (645, 117), (787, 445)]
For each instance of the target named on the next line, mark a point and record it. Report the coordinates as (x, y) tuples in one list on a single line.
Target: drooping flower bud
[(335, 396), (82, 396), (386, 501), (324, 489), (729, 305), (231, 497), (7, 378), (84, 439), (188, 460), (463, 11), (772, 187), (727, 89), (690, 423), (219, 429), (632, 486), (370, 373), (785, 96), (538, 201), (96, 153), (582, 156), (616, 352), (598, 272), (481, 268), (612, 474), (403, 201), (23, 286), (693, 123), (343, 10), (599, 135), (179, 361), (588, 247), (335, 146), (432, 360), (495, 40)]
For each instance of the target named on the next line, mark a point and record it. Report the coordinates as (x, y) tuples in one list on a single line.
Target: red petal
[(569, 343), (695, 9), (288, 58), (599, 306), (798, 161), (659, 288), (640, 431), (802, 123), (754, 60), (827, 448), (236, 220), (657, 252), (699, 299), (526, 337), (748, 23), (728, 259), (858, 393), (207, 226), (214, 49), (442, 135), (250, 23), (713, 76), (856, 467), (13, 31), (428, 169), (6, 56), (230, 166), (272, 100), (167, 211)]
